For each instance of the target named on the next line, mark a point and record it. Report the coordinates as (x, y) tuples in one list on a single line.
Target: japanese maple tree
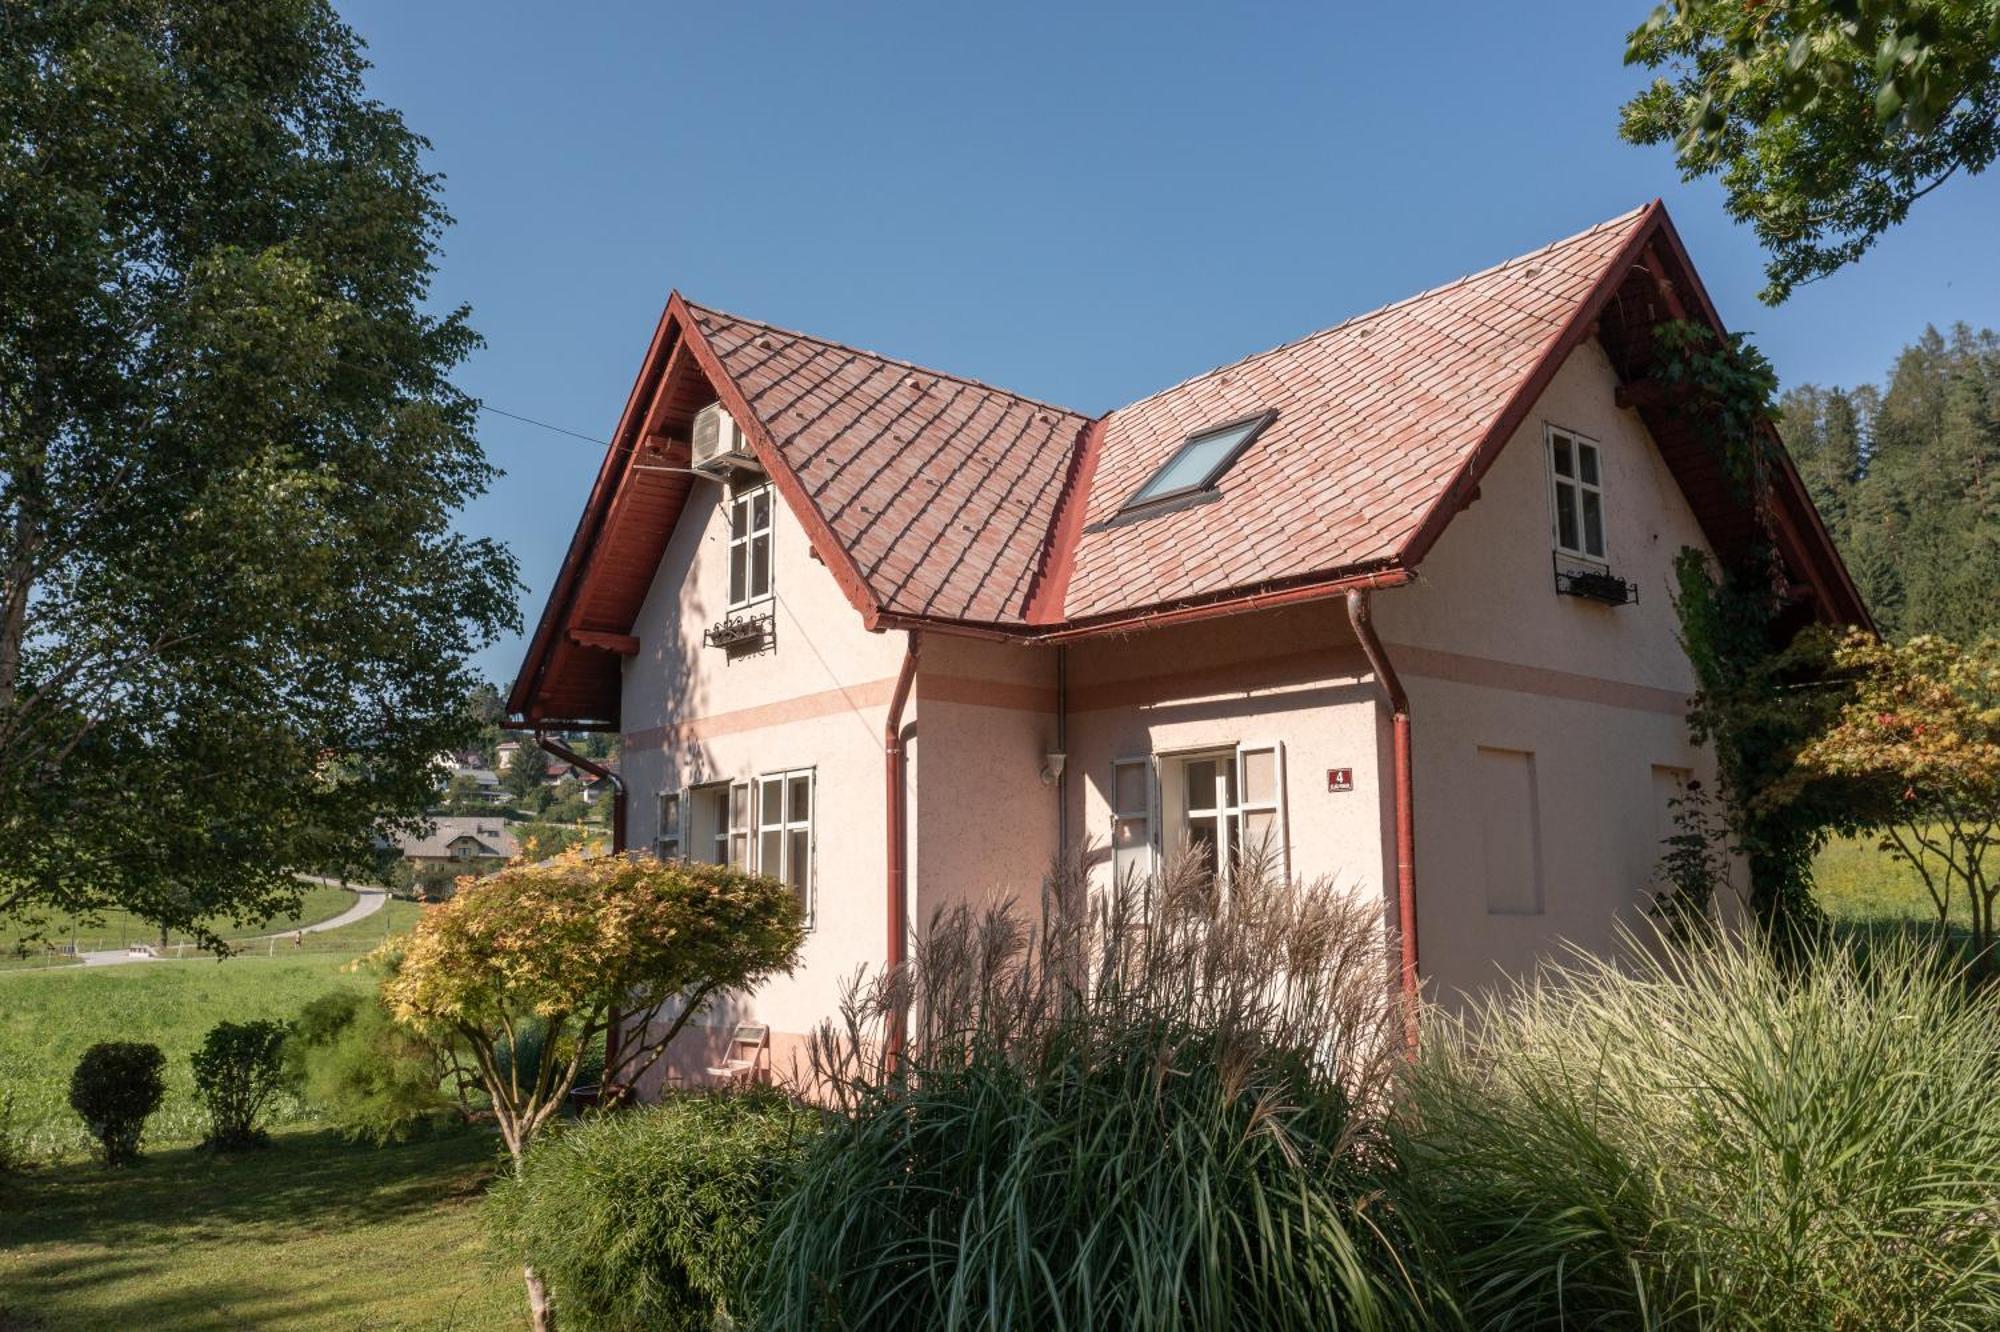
[(1918, 748)]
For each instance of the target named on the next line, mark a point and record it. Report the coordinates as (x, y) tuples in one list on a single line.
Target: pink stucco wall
[(1495, 660), (817, 700)]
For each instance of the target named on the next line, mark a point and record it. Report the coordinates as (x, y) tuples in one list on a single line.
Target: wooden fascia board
[(534, 666), (832, 550), (1459, 492), (625, 450)]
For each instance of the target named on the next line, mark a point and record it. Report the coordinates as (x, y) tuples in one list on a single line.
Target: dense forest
[(1907, 475)]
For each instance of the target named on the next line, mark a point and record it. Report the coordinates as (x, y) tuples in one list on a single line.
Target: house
[(504, 754), (1393, 599), (466, 843), (465, 770)]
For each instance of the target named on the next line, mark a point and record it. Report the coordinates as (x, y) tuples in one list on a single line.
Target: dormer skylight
[(1199, 462)]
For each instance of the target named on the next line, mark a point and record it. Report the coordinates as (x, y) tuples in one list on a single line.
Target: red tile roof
[(939, 500), (941, 489), (1375, 416)]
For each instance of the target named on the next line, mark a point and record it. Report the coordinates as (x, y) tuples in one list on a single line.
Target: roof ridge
[(1630, 215), (890, 360)]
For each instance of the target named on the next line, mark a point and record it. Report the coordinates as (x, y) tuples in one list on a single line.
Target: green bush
[(1114, 1124), (237, 1070), (371, 1078), (115, 1086), (11, 1152), (649, 1218), (1700, 1139)]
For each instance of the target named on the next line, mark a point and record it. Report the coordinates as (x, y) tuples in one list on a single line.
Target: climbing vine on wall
[(1727, 391), (1761, 696)]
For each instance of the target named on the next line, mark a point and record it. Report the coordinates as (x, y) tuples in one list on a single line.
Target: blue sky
[(1080, 206)]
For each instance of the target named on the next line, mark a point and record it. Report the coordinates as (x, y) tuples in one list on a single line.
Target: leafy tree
[(234, 616), (563, 947), (1918, 749), (526, 778), (1826, 119)]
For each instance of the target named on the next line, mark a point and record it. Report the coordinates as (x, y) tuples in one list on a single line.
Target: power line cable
[(485, 406)]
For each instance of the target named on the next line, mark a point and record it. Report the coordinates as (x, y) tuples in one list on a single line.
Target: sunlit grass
[(1859, 883), (309, 1235)]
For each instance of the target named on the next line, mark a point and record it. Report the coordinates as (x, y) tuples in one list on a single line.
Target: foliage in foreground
[(1108, 1123), (1917, 750), (234, 611), (115, 1086), (650, 1219), (237, 1071), (1708, 1140), (370, 1078), (558, 947), (1826, 119), (555, 950)]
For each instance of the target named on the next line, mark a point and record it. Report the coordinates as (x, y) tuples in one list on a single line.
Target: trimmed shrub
[(649, 1218), (1703, 1139), (238, 1068), (115, 1086), (1162, 1115), (373, 1079)]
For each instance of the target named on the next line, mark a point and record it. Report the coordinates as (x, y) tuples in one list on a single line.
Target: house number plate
[(1340, 779)]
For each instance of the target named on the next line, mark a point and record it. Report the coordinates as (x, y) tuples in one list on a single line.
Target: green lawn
[(309, 1233), (116, 929), (1860, 884), (48, 1018)]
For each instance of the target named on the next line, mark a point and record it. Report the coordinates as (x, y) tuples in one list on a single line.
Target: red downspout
[(892, 765), (1361, 615), (611, 1095)]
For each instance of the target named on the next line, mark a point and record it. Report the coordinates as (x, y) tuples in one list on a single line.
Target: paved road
[(368, 901)]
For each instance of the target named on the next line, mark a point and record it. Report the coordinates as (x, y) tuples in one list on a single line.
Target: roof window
[(1199, 462)]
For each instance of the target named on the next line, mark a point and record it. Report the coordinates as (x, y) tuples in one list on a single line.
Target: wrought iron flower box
[(1596, 585), (739, 631)]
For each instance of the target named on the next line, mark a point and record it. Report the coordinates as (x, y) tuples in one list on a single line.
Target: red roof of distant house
[(938, 500)]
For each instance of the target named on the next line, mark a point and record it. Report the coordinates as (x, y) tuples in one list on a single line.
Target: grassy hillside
[(116, 929), (48, 1018)]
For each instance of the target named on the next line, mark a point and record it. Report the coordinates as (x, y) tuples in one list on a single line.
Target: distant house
[(469, 843), (455, 769), (1391, 605), (505, 753)]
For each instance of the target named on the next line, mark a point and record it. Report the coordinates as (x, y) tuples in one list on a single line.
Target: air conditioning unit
[(720, 450)]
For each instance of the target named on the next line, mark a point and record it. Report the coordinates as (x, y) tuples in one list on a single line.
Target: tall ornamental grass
[(1701, 1139), (1161, 1113)]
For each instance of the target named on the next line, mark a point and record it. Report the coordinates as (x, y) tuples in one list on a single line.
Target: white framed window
[(710, 833), (1227, 804), (667, 842), (785, 832), (750, 522), (1576, 493), (1131, 818)]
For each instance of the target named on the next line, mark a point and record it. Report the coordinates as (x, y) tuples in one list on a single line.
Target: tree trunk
[(541, 1316)]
